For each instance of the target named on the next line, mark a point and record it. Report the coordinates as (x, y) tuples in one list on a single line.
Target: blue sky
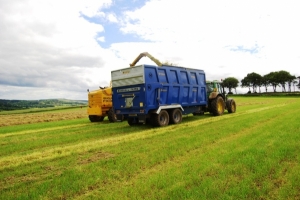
[(112, 32), (61, 48), (251, 50)]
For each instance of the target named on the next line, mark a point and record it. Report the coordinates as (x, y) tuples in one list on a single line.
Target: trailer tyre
[(133, 121), (175, 116), (231, 105), (152, 119), (161, 119), (218, 106), (111, 115)]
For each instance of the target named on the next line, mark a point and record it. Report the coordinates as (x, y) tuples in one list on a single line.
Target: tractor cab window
[(209, 87), (220, 89)]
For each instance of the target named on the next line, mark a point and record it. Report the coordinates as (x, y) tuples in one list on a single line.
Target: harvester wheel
[(95, 118), (218, 106), (161, 119), (231, 106), (91, 118), (175, 116), (111, 115)]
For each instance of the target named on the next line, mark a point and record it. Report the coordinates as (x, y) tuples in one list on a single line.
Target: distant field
[(251, 154), (36, 115)]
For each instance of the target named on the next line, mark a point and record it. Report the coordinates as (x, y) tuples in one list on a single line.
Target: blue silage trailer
[(158, 95)]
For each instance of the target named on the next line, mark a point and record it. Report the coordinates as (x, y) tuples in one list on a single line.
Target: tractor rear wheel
[(161, 119), (218, 106), (175, 116), (231, 106), (111, 115)]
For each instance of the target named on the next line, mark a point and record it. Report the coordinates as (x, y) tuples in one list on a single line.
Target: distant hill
[(43, 103)]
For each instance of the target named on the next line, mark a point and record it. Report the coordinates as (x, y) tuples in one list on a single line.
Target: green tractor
[(218, 101)]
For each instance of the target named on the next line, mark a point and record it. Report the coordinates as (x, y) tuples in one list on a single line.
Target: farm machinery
[(162, 94), (100, 105), (157, 94), (217, 100)]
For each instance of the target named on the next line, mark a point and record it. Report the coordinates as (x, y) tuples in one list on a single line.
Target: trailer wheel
[(120, 117), (161, 119), (149, 121), (175, 116), (95, 118), (133, 121), (111, 115), (152, 119), (218, 106), (231, 106)]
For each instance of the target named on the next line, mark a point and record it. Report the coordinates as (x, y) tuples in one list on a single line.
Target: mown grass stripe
[(213, 157), (42, 130), (55, 152)]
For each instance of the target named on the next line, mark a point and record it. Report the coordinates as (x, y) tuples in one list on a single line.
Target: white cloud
[(49, 45), (101, 39), (112, 18), (201, 33)]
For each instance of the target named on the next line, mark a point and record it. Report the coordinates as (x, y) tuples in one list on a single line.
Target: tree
[(273, 79), (230, 83), (265, 82), (246, 83), (299, 82), (294, 83), (284, 77), (253, 80), (290, 80)]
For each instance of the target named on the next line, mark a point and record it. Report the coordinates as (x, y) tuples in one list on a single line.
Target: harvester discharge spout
[(157, 62)]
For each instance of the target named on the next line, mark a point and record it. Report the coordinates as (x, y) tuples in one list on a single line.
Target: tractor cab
[(214, 88), (217, 99)]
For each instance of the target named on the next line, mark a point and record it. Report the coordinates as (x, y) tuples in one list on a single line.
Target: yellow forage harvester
[(100, 105)]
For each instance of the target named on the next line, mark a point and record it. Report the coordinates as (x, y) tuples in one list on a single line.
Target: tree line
[(25, 104), (255, 81)]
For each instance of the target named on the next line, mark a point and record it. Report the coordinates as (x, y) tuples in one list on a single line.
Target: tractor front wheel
[(218, 106), (231, 106)]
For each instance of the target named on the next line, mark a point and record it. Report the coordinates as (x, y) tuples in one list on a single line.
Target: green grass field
[(251, 154)]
